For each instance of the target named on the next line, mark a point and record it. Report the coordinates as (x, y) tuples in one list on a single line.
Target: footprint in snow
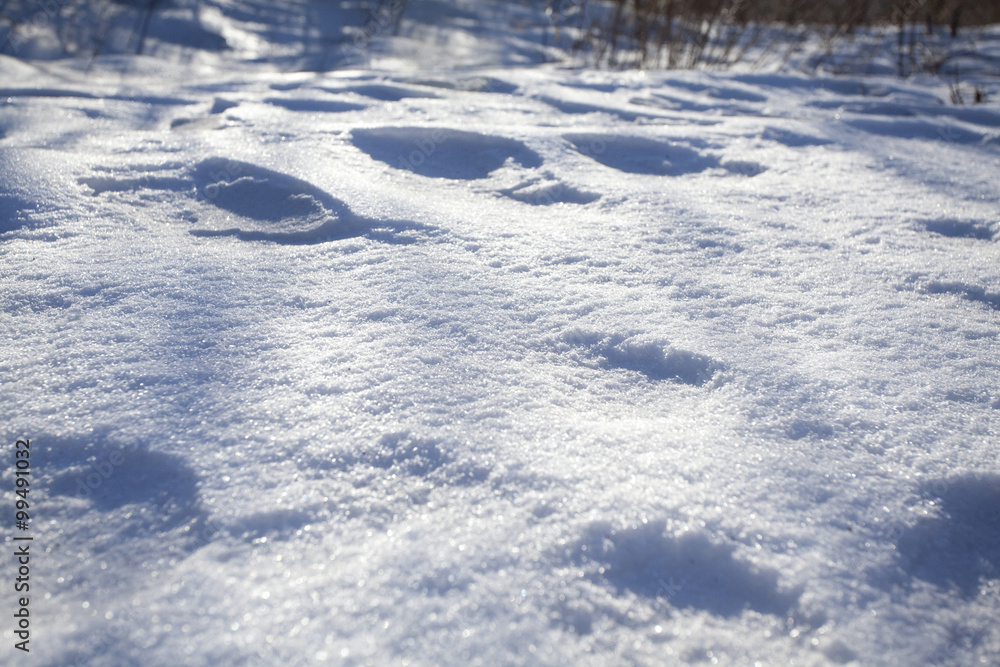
[(583, 108), (442, 153), (968, 229), (721, 93), (271, 206), (252, 203), (957, 545), (676, 104), (476, 84), (792, 139), (138, 490), (221, 104), (15, 212), (264, 198), (892, 109), (548, 191), (313, 105), (614, 351), (690, 570), (385, 92), (922, 130), (638, 155)]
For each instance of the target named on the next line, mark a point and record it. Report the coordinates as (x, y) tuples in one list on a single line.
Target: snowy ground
[(522, 365)]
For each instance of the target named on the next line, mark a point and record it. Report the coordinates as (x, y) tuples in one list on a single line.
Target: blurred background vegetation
[(924, 35), (693, 33)]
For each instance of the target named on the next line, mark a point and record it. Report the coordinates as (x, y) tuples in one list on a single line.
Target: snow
[(480, 359)]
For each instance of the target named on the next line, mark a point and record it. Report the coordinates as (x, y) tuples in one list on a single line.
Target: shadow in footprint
[(637, 155), (719, 92), (276, 207), (920, 129), (477, 84), (960, 229), (568, 107), (221, 104), (15, 206), (12, 212), (313, 105), (547, 193), (669, 103), (684, 571), (261, 194), (385, 92), (442, 153), (648, 358), (792, 139), (252, 203), (866, 108), (142, 491), (961, 545)]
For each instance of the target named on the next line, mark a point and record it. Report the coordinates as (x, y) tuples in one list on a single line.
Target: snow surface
[(406, 364)]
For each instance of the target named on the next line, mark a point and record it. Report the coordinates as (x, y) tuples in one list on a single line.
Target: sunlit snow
[(451, 355)]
